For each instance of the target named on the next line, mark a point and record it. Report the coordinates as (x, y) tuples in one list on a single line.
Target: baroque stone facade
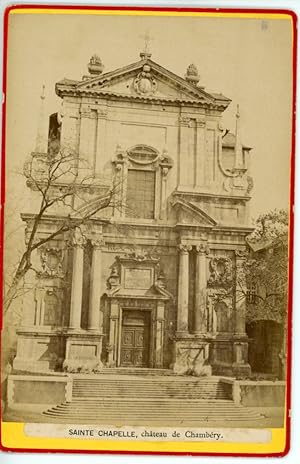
[(150, 280)]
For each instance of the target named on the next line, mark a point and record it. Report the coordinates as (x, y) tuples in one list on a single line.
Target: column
[(200, 155), (78, 243), (113, 334), (240, 294), (101, 139), (87, 142), (159, 335), (183, 169), (95, 286), (200, 323), (163, 200), (183, 289)]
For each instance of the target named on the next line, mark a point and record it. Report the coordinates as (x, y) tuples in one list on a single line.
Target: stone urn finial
[(95, 66), (192, 74)]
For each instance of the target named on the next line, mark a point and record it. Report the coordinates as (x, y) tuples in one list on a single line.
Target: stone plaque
[(138, 278)]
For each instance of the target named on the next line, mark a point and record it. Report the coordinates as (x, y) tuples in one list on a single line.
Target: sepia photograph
[(148, 164)]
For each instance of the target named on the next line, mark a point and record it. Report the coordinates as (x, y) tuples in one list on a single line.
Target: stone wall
[(258, 393), (24, 389)]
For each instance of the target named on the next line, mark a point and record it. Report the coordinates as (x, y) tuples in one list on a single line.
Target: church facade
[(152, 278)]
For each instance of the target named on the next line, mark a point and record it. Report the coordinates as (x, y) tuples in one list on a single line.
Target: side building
[(149, 280)]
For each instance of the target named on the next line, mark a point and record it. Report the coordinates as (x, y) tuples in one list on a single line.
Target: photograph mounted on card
[(148, 230)]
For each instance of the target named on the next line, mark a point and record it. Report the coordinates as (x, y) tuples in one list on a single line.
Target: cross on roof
[(147, 39)]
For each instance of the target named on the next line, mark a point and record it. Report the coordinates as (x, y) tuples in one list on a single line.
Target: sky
[(248, 60)]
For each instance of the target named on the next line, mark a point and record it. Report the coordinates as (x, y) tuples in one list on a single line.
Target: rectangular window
[(140, 194)]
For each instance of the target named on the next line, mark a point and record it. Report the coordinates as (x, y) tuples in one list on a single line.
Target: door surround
[(156, 309), (148, 328)]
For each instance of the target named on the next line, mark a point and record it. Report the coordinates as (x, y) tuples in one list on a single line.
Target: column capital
[(97, 243), (202, 249), (241, 253), (184, 120), (184, 248), (201, 122), (78, 240)]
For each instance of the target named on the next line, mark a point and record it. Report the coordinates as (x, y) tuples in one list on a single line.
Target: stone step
[(135, 371), (153, 411), (206, 388), (199, 396), (143, 379)]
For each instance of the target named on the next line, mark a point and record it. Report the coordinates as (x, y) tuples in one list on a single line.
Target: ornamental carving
[(184, 248), (184, 120), (144, 83), (140, 256), (221, 273), (97, 243), (136, 303), (52, 262), (78, 239), (241, 253), (113, 282), (202, 249), (250, 184)]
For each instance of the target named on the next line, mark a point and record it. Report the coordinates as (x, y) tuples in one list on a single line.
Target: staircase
[(142, 400), (156, 388)]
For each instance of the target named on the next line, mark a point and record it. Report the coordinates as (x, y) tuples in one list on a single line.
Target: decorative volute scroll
[(221, 273), (236, 178), (202, 248), (184, 248)]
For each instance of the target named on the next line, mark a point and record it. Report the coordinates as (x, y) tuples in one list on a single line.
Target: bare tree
[(58, 180)]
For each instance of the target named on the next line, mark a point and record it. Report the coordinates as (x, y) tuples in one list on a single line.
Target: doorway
[(135, 338)]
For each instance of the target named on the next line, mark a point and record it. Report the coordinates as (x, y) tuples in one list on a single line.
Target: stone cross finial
[(146, 52), (43, 92), (42, 129)]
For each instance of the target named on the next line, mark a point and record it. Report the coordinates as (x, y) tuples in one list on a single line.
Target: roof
[(106, 85), (259, 245), (229, 141)]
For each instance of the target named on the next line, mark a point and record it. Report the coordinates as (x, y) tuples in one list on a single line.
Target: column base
[(192, 357), (94, 330), (181, 334), (83, 352), (39, 351), (241, 370)]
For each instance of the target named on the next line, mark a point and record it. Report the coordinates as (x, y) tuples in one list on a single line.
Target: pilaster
[(78, 242), (200, 317), (183, 289), (95, 289)]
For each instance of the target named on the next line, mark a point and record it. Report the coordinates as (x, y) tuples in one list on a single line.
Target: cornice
[(108, 95)]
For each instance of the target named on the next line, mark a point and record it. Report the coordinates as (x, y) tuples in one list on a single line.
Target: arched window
[(51, 309), (141, 172), (222, 317), (54, 134)]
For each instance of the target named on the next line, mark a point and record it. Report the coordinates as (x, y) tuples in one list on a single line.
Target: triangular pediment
[(188, 212), (144, 79)]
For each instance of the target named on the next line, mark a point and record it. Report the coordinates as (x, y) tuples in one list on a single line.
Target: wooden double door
[(135, 338)]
